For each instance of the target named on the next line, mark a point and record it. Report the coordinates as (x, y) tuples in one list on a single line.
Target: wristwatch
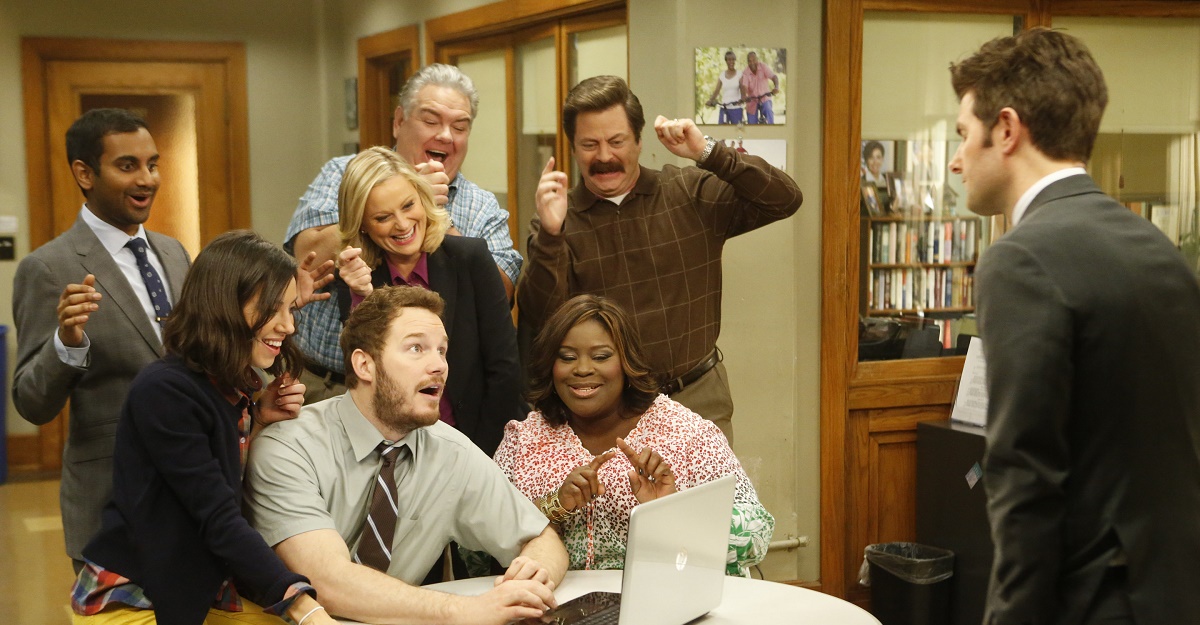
[(709, 144)]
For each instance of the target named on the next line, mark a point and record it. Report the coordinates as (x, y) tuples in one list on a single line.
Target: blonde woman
[(394, 233)]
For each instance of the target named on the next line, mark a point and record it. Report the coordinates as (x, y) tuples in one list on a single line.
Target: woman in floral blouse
[(602, 440)]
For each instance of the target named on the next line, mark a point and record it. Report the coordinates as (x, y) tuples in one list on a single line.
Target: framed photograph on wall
[(877, 159), (741, 85)]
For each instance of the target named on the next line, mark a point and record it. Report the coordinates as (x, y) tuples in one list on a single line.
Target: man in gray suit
[(1091, 324), (88, 315)]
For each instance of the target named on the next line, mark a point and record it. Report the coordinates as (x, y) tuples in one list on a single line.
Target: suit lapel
[(111, 282), (442, 281), (174, 263)]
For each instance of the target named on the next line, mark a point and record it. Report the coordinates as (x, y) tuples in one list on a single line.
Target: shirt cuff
[(73, 356), (293, 592)]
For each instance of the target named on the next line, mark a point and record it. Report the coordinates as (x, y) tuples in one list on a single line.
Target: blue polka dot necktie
[(154, 284)]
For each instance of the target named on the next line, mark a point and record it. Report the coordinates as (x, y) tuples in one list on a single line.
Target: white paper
[(970, 405)]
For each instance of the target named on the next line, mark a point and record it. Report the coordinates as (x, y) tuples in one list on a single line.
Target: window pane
[(538, 124), (1147, 153), (919, 242), (487, 159)]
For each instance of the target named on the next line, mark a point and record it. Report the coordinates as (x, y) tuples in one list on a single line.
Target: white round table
[(743, 602)]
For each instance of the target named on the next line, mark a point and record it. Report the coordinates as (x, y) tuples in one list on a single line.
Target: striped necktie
[(375, 545)]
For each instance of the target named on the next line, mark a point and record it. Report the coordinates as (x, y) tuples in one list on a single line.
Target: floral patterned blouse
[(537, 457)]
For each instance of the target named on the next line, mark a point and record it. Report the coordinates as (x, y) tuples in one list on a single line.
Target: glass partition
[(919, 243), (1148, 153)]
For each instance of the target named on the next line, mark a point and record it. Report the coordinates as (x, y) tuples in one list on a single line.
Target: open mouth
[(406, 237), (141, 199), (436, 155), (584, 391), (272, 344), (433, 390)]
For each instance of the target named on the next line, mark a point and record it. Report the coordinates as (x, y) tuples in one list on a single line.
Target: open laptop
[(674, 563)]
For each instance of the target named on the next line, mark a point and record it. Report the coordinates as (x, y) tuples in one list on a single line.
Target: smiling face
[(875, 161), (588, 375), (752, 61), (730, 59), (410, 375), (437, 130), (269, 338), (607, 151), (395, 220), (122, 192), (979, 161)]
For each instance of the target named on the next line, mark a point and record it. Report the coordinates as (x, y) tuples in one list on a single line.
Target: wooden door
[(194, 96)]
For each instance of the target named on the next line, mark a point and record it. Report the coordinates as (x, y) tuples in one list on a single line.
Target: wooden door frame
[(36, 55), (376, 54)]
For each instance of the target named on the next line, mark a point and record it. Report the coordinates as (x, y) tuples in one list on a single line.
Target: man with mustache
[(88, 317), (431, 127), (318, 488), (651, 240)]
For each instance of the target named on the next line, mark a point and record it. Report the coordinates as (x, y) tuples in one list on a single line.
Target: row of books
[(922, 288), (930, 242)]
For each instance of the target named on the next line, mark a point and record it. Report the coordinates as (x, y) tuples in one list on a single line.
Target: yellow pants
[(118, 614)]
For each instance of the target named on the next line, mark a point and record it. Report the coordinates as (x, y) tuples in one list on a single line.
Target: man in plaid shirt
[(651, 240), (431, 127)]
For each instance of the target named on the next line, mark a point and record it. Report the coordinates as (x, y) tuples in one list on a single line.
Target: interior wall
[(771, 311), (282, 41)]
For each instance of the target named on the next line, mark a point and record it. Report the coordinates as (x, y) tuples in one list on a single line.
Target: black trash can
[(910, 583)]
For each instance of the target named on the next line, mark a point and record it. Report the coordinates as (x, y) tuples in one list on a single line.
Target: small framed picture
[(870, 200), (895, 187)]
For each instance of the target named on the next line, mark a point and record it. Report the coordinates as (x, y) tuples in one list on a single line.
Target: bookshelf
[(921, 264)]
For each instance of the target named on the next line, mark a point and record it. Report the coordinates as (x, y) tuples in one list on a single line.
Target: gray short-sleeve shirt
[(317, 472)]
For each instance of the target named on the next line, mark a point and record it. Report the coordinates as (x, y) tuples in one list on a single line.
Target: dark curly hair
[(641, 384)]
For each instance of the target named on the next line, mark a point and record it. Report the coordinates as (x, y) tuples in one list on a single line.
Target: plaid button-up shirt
[(658, 254)]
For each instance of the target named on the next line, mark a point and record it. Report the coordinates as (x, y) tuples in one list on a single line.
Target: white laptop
[(674, 562)]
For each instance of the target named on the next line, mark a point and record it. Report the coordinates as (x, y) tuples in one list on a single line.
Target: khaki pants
[(117, 614), (317, 389), (709, 397)]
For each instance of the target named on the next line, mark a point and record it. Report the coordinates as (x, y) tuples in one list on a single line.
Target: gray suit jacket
[(1091, 324), (122, 341)]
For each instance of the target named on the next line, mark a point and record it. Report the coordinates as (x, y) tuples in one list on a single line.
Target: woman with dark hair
[(174, 546), (602, 439), (394, 233)]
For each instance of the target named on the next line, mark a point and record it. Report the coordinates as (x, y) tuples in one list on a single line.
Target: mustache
[(606, 168)]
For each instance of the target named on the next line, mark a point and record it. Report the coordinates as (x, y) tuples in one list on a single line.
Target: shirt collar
[(111, 237), (645, 185), (419, 275), (1027, 197), (364, 438)]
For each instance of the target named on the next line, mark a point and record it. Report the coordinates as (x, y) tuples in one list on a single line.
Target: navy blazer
[(484, 377), (174, 525)]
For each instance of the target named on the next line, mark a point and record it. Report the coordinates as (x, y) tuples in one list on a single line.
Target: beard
[(396, 409)]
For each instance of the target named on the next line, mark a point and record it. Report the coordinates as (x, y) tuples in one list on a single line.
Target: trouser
[(730, 116), (117, 614), (317, 388), (710, 398), (763, 113)]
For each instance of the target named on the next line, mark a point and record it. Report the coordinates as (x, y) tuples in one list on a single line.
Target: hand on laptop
[(523, 567), (511, 600), (651, 476), (582, 486)]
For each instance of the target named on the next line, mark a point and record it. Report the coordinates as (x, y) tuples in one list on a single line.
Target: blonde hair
[(371, 168)]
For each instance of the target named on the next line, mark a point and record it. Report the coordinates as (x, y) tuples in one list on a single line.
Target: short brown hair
[(371, 168), (207, 327), (641, 384), (367, 327), (600, 93), (1049, 78)]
